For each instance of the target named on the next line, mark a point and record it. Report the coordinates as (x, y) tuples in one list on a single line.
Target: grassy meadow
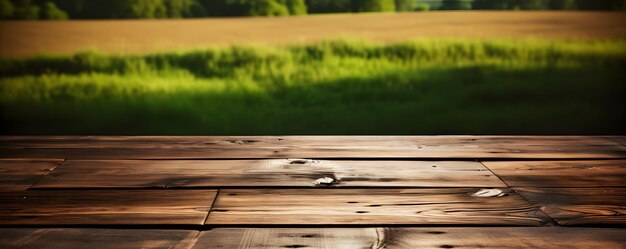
[(431, 86)]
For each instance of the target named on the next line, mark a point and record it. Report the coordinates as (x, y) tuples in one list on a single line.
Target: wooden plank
[(251, 238), (619, 139), (449, 206), (412, 238), (55, 238), (599, 173), (580, 206), (277, 172), (141, 147), (20, 174), (105, 207)]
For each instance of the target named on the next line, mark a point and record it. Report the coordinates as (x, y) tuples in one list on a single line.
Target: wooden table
[(313, 192)]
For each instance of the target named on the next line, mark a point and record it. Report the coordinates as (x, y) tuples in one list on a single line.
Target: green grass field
[(340, 87)]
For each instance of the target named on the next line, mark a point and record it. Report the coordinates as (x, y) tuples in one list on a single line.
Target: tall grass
[(338, 87)]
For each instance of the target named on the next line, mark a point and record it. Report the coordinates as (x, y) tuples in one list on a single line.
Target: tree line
[(122, 9)]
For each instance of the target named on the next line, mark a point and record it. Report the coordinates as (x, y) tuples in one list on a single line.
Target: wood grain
[(599, 173), (20, 174), (60, 238), (215, 147), (412, 238), (619, 139), (265, 173), (105, 207), (451, 206), (580, 206)]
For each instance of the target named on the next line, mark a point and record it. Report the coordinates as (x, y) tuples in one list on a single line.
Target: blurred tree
[(491, 4), (197, 10), (531, 4), (562, 4), (329, 6), (25, 9), (373, 5), (595, 4), (405, 5), (50, 11), (421, 7), (105, 9), (295, 7), (253, 7), (144, 9), (74, 8), (6, 9), (456, 5), (267, 8), (184, 8), (176, 8)]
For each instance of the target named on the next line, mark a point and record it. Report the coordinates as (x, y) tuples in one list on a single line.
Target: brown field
[(28, 38)]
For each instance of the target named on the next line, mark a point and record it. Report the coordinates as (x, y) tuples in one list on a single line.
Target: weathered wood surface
[(599, 173), (105, 207), (20, 174), (412, 238), (142, 147), (267, 173), (619, 139), (580, 206), (424, 188), (328, 238), (450, 206), (60, 238)]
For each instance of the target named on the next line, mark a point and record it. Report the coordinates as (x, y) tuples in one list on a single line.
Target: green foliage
[(184, 9), (254, 7), (295, 7), (422, 7), (456, 5), (373, 5), (145, 9), (109, 9), (421, 87), (491, 4), (329, 6), (51, 12), (6, 9), (267, 8), (531, 4), (25, 9), (405, 5)]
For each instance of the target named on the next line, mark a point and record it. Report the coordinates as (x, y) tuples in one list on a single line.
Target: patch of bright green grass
[(419, 87)]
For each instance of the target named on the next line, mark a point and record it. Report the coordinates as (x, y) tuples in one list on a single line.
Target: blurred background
[(312, 67)]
